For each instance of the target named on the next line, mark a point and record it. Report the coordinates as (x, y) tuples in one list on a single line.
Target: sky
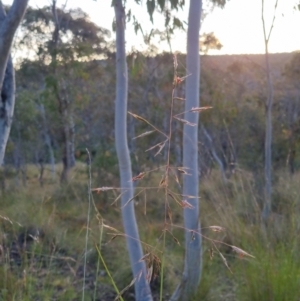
[(238, 26)]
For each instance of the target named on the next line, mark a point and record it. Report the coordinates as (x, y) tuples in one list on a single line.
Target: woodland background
[(65, 105)]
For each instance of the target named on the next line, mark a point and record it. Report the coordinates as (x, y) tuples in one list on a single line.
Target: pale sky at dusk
[(238, 26)]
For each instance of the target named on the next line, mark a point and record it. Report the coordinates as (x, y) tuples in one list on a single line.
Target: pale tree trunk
[(8, 26), (269, 132), (142, 288), (193, 242), (268, 146), (47, 139), (6, 106), (214, 154)]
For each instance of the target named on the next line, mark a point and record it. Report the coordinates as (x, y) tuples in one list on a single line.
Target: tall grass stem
[(88, 221)]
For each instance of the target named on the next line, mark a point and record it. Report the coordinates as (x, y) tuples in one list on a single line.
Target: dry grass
[(235, 207)]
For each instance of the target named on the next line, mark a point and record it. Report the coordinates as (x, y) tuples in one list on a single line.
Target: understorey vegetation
[(140, 175)]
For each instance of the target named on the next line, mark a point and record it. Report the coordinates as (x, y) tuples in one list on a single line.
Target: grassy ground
[(51, 267)]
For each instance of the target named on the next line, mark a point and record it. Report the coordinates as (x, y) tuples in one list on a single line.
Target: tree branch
[(8, 26)]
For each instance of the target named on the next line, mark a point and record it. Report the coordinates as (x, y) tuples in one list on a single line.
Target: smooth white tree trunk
[(7, 106), (8, 26), (193, 243), (142, 288)]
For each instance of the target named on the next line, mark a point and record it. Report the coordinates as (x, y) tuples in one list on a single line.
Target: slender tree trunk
[(142, 288), (269, 131), (7, 107), (47, 139), (2, 179), (72, 139), (8, 26), (214, 154), (193, 243), (68, 148), (17, 163), (65, 107), (268, 143), (42, 169), (19, 159)]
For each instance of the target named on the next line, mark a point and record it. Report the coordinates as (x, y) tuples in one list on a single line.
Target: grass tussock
[(53, 264)]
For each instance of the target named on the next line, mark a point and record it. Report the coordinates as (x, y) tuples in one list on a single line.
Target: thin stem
[(166, 188), (109, 274), (98, 261), (162, 268), (272, 25), (269, 130), (87, 223)]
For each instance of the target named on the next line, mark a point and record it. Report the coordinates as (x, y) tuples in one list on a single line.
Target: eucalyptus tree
[(61, 42), (8, 25), (193, 242), (193, 246), (208, 41), (142, 287), (269, 105), (138, 266), (193, 260)]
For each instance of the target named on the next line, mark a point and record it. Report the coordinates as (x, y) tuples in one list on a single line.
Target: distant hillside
[(277, 60)]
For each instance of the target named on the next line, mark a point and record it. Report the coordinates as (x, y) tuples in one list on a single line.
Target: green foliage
[(220, 3), (275, 275), (8, 284), (150, 8), (105, 160), (177, 23), (272, 275), (209, 41), (79, 37), (57, 89), (234, 86), (161, 4)]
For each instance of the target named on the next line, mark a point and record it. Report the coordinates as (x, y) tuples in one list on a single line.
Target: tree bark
[(8, 26), (269, 130), (68, 134), (193, 242), (142, 288), (214, 154), (47, 139), (64, 106)]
